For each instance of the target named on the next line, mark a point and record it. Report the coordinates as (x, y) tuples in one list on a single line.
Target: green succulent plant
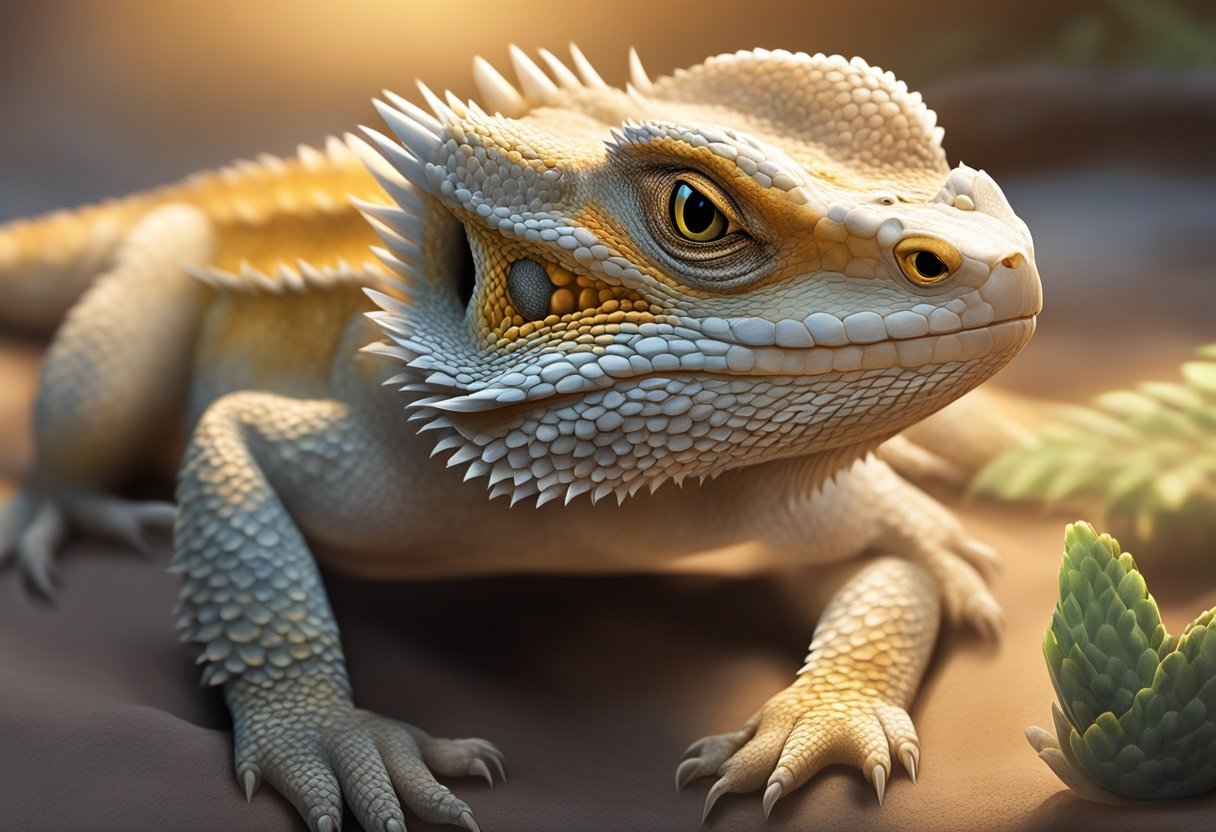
[(1142, 460), (1137, 707)]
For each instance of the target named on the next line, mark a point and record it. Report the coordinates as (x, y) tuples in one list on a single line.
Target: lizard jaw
[(646, 428), (565, 374)]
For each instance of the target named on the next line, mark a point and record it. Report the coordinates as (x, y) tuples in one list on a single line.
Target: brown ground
[(594, 687)]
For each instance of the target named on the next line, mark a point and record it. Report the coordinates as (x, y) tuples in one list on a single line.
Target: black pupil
[(929, 264), (699, 212)]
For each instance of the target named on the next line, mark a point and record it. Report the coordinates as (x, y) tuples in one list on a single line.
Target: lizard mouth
[(559, 376), (964, 344)]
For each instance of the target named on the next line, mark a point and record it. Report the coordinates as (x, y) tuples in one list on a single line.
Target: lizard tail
[(48, 262)]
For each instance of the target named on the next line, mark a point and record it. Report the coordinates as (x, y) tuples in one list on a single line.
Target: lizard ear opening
[(464, 270)]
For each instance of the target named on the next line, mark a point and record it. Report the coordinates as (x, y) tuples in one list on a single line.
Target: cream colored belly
[(737, 560), (739, 524)]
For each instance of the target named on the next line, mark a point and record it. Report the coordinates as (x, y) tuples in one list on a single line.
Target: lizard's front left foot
[(813, 723), (34, 527), (315, 750), (925, 532), (964, 592)]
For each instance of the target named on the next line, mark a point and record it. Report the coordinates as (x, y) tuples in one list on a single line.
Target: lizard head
[(764, 256)]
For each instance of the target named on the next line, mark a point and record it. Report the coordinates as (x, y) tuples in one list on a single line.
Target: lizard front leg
[(253, 597), (849, 701)]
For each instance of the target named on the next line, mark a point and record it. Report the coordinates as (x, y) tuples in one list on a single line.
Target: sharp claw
[(720, 788), (771, 795), (250, 779), (466, 820), (478, 767), (496, 759), (38, 572), (393, 825), (695, 748), (687, 771), (326, 824), (41, 579), (880, 782), (42, 538), (910, 765)]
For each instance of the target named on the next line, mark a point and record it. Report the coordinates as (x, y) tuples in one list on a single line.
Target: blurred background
[(105, 97), (1098, 117)]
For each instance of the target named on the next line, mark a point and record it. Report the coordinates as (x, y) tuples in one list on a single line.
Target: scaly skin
[(591, 350)]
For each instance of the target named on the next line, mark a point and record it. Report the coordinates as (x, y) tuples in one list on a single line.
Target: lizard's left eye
[(695, 216), (927, 260)]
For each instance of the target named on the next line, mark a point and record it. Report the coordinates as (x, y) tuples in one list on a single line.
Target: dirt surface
[(594, 687)]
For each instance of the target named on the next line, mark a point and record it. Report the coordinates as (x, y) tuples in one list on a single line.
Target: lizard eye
[(695, 216), (697, 232), (926, 261)]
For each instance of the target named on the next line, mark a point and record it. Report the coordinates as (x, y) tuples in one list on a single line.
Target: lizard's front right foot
[(314, 751), (815, 722), (34, 526)]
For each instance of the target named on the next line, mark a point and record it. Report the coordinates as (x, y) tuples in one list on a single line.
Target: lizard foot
[(34, 526), (809, 725), (314, 757), (965, 594)]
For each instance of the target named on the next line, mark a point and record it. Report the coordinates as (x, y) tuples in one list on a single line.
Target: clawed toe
[(705, 756), (124, 521), (687, 771), (34, 528), (910, 758), (771, 795), (463, 757), (796, 735), (378, 766), (478, 768), (37, 542), (986, 616)]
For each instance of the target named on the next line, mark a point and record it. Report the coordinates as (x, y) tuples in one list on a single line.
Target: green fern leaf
[(1142, 460)]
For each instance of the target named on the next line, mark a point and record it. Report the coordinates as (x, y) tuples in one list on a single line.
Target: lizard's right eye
[(695, 216)]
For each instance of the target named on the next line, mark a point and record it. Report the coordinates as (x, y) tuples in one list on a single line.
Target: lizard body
[(742, 278)]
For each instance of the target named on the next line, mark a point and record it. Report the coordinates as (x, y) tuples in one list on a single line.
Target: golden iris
[(927, 260), (695, 216)]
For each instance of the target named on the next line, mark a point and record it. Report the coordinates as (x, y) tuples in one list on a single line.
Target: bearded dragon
[(743, 278)]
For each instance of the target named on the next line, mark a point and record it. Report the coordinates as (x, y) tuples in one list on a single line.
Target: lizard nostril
[(1013, 261)]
